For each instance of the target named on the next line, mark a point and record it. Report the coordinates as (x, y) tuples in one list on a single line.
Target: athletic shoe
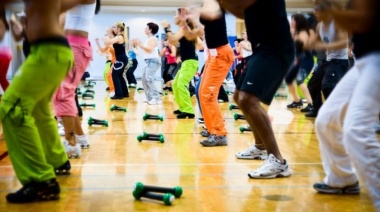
[(295, 105), (307, 109), (252, 153), (177, 112), (132, 85), (83, 141), (31, 192), (215, 140), (271, 168), (205, 133), (201, 120), (155, 102), (72, 151), (311, 114), (184, 115), (61, 131), (326, 189), (64, 169)]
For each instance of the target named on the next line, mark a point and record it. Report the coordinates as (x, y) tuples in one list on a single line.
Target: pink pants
[(5, 60), (64, 98)]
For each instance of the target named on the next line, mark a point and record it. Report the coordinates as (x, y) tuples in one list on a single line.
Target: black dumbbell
[(167, 198), (89, 91), (141, 188), (233, 107), (140, 89), (163, 93), (83, 104), (115, 107), (281, 96), (78, 92), (238, 116), (155, 117), (88, 86), (87, 95), (151, 137), (245, 129), (92, 121)]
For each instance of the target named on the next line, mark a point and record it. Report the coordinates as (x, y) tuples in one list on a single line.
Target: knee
[(236, 97), (247, 101)]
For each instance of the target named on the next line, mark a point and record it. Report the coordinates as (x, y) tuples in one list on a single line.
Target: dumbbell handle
[(151, 138), (148, 188), (153, 135), (166, 198)]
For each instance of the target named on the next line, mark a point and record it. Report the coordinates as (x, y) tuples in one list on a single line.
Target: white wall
[(136, 23)]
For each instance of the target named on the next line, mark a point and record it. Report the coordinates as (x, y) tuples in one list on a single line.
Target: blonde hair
[(122, 28)]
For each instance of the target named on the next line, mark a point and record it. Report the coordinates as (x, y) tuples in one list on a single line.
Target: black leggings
[(130, 72), (168, 71), (121, 89)]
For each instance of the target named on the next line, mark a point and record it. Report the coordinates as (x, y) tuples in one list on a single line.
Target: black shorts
[(265, 72)]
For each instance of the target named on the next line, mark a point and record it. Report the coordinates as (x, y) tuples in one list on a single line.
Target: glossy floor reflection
[(212, 178)]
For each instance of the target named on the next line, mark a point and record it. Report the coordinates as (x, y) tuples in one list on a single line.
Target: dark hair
[(153, 27), (301, 23), (238, 40), (312, 21), (97, 7), (3, 18)]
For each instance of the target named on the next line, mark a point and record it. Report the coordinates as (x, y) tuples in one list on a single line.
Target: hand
[(165, 24)]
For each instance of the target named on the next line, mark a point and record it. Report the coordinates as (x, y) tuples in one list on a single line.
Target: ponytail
[(97, 7)]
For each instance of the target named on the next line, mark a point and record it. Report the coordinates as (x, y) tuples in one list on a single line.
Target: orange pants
[(216, 70)]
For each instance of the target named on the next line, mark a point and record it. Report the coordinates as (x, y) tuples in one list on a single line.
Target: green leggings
[(107, 69), (181, 83), (30, 130)]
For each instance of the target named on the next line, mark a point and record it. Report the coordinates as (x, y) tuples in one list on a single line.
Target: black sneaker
[(177, 112), (326, 189), (116, 98), (185, 115), (64, 169), (295, 104), (311, 114), (31, 192), (307, 109)]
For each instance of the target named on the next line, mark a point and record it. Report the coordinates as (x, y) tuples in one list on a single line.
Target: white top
[(154, 53), (80, 17), (328, 35)]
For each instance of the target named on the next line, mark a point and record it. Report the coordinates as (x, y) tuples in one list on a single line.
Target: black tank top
[(187, 49), (119, 50), (215, 32), (368, 42), (267, 24)]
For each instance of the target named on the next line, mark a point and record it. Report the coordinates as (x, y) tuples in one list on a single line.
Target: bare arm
[(162, 52), (117, 39), (211, 10), (174, 38), (304, 37), (358, 19), (246, 45)]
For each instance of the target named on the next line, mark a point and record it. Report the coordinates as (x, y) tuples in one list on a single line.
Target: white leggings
[(345, 127)]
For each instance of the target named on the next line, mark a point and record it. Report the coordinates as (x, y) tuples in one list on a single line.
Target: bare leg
[(69, 124), (258, 141), (252, 110), (78, 126), (293, 92), (306, 92)]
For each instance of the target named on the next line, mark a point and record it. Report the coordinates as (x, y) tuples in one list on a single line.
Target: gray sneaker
[(205, 134), (326, 189), (215, 140)]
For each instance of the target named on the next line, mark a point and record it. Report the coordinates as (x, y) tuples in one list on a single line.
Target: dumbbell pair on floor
[(166, 195)]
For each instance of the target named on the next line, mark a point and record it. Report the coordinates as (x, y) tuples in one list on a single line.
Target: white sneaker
[(82, 140), (111, 93), (72, 151), (155, 102), (272, 168), (252, 153)]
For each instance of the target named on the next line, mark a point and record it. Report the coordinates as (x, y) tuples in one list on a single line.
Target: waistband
[(62, 41), (77, 39)]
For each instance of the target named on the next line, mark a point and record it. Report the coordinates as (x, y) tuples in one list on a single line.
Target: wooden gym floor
[(212, 178)]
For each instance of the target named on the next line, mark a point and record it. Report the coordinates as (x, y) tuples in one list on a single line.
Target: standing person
[(335, 42), (29, 128), (118, 43), (5, 52), (269, 33), (220, 59), (189, 65), (132, 53), (77, 25), (170, 52), (152, 60), (303, 64), (344, 125), (109, 52)]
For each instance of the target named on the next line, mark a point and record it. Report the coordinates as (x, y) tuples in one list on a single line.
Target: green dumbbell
[(115, 107), (238, 116), (233, 107), (154, 117), (141, 188), (245, 129), (151, 137), (92, 121)]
